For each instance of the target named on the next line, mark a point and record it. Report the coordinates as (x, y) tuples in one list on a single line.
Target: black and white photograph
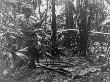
[(54, 40)]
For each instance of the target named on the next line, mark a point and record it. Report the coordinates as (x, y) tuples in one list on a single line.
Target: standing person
[(108, 51), (92, 49), (25, 23), (104, 48), (97, 45)]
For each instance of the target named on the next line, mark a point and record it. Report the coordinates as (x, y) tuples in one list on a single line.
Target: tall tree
[(39, 4), (83, 28), (69, 14), (53, 29), (86, 11)]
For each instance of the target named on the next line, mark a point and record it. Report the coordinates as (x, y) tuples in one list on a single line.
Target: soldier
[(104, 48), (97, 46), (25, 23), (108, 51)]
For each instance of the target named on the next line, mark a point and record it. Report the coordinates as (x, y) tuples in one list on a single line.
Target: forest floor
[(82, 71)]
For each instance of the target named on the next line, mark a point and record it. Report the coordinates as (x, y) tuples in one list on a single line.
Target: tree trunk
[(84, 30), (46, 17), (53, 29), (69, 14), (39, 12), (83, 33)]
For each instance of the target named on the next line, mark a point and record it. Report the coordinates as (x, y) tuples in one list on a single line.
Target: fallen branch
[(58, 70), (85, 75)]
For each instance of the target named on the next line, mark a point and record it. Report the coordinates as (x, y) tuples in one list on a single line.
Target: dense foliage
[(54, 45)]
